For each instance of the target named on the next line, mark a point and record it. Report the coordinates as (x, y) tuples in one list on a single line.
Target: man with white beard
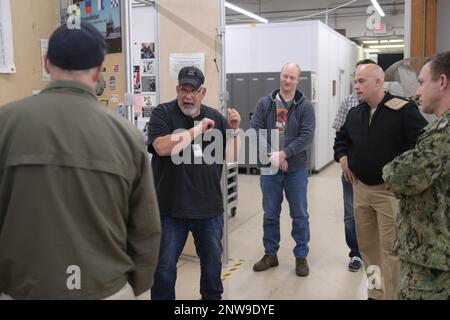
[(189, 193)]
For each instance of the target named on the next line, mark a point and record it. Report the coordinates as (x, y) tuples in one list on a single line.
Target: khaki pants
[(126, 293), (5, 297), (375, 212)]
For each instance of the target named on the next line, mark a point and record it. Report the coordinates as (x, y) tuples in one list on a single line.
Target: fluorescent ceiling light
[(382, 41), (247, 13), (378, 8), (387, 46), (372, 50)]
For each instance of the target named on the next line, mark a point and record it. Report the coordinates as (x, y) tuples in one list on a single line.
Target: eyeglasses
[(184, 92)]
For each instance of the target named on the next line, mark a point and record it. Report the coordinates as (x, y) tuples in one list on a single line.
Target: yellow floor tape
[(237, 264)]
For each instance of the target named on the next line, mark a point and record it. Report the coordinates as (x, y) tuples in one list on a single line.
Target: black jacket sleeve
[(342, 142), (413, 122)]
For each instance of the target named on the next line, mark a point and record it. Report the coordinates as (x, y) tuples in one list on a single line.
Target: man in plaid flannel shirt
[(349, 218)]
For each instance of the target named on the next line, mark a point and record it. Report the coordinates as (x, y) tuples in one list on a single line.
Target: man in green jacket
[(420, 178), (79, 217)]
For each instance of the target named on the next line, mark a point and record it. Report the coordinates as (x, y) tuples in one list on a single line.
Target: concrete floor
[(328, 258)]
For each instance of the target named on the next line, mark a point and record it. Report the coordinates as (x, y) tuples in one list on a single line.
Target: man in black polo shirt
[(381, 128), (188, 184)]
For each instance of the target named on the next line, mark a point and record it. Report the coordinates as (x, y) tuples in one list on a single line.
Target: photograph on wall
[(148, 67), (112, 82), (148, 84), (105, 16), (148, 101), (137, 79), (148, 50), (148, 105)]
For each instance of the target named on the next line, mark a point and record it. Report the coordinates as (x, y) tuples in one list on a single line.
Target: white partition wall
[(336, 61), (144, 24), (265, 48), (315, 47)]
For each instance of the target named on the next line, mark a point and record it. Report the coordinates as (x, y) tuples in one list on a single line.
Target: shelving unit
[(232, 188)]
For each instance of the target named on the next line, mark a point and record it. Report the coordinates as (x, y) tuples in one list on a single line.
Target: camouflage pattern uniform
[(420, 178)]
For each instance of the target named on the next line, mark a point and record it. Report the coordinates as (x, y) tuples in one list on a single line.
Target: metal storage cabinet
[(256, 92), (239, 99), (271, 81), (245, 89)]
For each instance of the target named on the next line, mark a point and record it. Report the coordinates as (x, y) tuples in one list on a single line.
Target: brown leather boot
[(301, 267), (265, 263)]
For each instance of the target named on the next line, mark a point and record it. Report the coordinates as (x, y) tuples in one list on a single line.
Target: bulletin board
[(31, 21), (107, 16), (145, 56)]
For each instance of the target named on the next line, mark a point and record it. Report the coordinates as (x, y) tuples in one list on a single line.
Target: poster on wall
[(148, 84), (148, 105), (148, 101), (148, 50), (137, 79), (112, 83), (105, 16), (148, 67), (145, 68), (144, 79), (179, 60)]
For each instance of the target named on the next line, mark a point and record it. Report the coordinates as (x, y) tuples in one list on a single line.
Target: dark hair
[(365, 61), (440, 64)]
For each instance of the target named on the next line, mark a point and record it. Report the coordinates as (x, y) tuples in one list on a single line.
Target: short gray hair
[(295, 64)]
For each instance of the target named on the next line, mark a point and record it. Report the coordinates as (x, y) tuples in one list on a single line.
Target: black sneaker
[(355, 264), (265, 263)]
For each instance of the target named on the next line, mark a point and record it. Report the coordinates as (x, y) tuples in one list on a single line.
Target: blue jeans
[(295, 186), (349, 219), (207, 235)]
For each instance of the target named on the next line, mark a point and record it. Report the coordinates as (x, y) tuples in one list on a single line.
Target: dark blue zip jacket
[(298, 134)]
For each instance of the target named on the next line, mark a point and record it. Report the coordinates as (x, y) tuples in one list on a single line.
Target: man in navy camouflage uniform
[(420, 178)]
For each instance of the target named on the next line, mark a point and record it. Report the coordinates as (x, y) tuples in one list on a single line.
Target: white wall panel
[(265, 48), (143, 21)]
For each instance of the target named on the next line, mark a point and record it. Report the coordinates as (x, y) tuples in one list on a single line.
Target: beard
[(188, 111)]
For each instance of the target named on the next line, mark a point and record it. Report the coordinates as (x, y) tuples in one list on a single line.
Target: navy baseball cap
[(191, 75), (76, 49)]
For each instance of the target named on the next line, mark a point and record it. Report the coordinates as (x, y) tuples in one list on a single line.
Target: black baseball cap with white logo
[(191, 75)]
